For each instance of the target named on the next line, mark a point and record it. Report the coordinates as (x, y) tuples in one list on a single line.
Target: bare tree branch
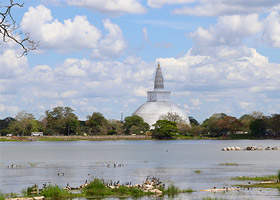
[(8, 28)]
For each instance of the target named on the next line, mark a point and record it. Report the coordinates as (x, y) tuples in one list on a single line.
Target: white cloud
[(71, 35), (113, 7), (69, 94), (141, 91), (271, 33), (226, 7), (11, 65), (160, 3), (195, 102), (112, 45), (145, 34), (229, 30)]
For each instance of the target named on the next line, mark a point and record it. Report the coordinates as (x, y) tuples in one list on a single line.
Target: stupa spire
[(158, 84)]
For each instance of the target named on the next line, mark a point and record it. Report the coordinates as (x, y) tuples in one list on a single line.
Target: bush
[(55, 192), (97, 188)]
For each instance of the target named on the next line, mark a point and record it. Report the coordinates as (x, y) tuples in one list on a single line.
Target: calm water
[(171, 161)]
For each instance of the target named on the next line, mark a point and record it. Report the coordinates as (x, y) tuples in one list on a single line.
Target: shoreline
[(74, 138), (113, 138)]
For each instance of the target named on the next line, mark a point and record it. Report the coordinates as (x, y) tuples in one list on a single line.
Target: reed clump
[(55, 192)]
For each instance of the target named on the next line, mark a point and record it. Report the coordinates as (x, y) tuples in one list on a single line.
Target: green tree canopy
[(165, 129), (24, 124), (135, 125), (193, 121), (62, 120), (258, 127), (98, 123)]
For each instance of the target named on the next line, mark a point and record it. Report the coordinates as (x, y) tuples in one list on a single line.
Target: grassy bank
[(75, 138)]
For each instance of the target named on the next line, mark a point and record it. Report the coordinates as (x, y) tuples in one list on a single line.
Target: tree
[(257, 114), (173, 117), (274, 123), (164, 129), (97, 123), (258, 127), (193, 121), (8, 28), (211, 124), (116, 127), (24, 124), (228, 124), (61, 120), (246, 121), (135, 121), (4, 124)]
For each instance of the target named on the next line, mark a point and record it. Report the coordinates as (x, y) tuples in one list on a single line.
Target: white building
[(159, 103)]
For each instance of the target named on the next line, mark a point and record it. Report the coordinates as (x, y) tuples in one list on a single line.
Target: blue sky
[(100, 56)]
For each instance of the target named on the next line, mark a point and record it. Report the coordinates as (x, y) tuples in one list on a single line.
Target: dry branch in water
[(8, 28)]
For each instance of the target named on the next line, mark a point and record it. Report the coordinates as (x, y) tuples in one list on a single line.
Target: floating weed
[(229, 164), (256, 178), (197, 171)]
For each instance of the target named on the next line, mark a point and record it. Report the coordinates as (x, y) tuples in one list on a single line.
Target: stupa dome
[(159, 103)]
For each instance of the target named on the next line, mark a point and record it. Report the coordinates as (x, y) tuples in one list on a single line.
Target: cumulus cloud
[(10, 65), (271, 33), (226, 7), (160, 3), (229, 30), (112, 45), (68, 35), (112, 7)]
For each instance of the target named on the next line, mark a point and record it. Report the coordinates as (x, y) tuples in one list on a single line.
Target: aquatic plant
[(278, 175), (55, 192), (171, 190), (129, 191), (256, 178), (2, 196), (97, 188), (229, 164), (197, 171)]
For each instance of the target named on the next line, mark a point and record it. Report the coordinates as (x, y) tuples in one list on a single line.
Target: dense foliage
[(165, 129), (63, 121)]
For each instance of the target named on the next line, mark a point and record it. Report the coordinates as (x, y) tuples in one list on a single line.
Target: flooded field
[(195, 164)]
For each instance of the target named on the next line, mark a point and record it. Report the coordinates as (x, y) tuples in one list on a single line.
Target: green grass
[(173, 190), (55, 192), (229, 164), (2, 196), (256, 178), (273, 178), (97, 188), (197, 171)]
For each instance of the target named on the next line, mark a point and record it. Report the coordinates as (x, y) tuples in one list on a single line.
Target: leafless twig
[(8, 28)]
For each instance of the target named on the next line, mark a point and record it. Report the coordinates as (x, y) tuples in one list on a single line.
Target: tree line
[(63, 121)]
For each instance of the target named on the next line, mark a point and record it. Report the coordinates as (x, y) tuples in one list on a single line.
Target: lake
[(173, 161)]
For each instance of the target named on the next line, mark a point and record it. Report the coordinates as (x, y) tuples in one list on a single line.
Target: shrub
[(55, 192)]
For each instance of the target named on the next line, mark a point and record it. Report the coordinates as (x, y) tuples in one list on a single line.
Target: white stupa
[(159, 103)]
